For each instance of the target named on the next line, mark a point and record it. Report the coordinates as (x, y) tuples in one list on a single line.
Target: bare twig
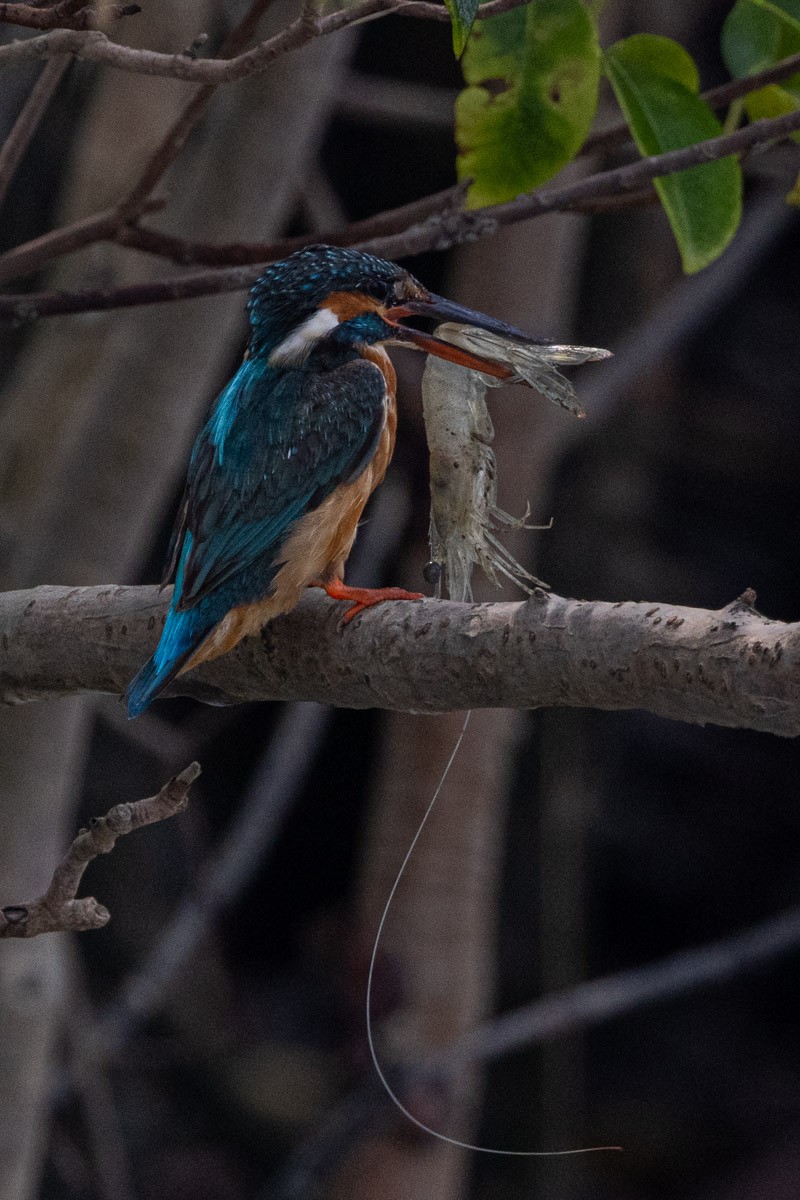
[(32, 255), (21, 260), (284, 769), (28, 120), (175, 138), (186, 252), (69, 14), (731, 667), (95, 46), (437, 232), (58, 909), (182, 250)]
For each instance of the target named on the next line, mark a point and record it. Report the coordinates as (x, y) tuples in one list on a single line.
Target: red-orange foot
[(362, 598)]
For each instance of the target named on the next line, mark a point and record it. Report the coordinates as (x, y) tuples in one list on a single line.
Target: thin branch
[(631, 177), (733, 667), (394, 220), (95, 46), (69, 14), (259, 818), (716, 97), (175, 139), (309, 25), (32, 255), (613, 996), (437, 232), (28, 120), (58, 910)]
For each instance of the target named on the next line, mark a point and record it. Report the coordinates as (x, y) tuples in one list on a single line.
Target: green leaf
[(462, 15), (532, 76), (757, 34), (656, 84)]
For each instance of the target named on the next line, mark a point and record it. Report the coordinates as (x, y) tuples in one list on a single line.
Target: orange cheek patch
[(346, 305)]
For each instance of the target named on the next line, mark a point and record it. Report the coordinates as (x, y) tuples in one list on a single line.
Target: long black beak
[(437, 309)]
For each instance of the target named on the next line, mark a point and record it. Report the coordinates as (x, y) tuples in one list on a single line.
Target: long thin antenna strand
[(443, 1137)]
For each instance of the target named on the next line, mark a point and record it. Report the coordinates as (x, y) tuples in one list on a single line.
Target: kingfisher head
[(324, 304)]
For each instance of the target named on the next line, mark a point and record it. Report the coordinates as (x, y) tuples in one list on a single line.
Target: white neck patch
[(298, 345)]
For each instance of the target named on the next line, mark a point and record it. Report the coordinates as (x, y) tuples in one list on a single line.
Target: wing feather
[(275, 445)]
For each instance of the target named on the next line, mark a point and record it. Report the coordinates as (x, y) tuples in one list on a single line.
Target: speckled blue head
[(324, 304), (293, 290)]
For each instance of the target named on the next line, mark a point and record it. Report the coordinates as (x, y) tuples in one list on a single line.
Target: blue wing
[(274, 446)]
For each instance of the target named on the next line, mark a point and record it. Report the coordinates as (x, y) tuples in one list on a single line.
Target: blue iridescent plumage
[(291, 451), (277, 441)]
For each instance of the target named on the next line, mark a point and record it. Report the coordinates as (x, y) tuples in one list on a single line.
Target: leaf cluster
[(533, 76)]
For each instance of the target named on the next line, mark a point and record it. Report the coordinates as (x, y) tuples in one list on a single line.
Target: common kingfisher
[(292, 449)]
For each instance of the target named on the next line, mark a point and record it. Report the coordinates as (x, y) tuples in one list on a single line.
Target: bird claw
[(362, 598), (377, 596)]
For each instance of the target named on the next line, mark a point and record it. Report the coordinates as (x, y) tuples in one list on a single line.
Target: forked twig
[(58, 909)]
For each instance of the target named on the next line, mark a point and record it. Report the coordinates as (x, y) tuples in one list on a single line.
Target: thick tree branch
[(437, 232), (732, 667), (59, 910)]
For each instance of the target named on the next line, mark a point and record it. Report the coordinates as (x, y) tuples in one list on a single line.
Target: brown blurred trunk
[(439, 937), (95, 428)]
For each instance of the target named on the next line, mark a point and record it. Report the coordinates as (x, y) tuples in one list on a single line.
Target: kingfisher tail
[(147, 683), (183, 633)]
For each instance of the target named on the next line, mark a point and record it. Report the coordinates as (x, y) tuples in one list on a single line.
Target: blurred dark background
[(197, 1048)]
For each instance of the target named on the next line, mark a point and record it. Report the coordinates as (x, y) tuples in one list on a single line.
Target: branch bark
[(730, 667), (69, 14), (58, 910)]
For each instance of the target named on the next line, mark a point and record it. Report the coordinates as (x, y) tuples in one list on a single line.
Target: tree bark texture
[(730, 667)]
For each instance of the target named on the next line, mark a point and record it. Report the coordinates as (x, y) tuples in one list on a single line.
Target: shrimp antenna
[(398, 1103)]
